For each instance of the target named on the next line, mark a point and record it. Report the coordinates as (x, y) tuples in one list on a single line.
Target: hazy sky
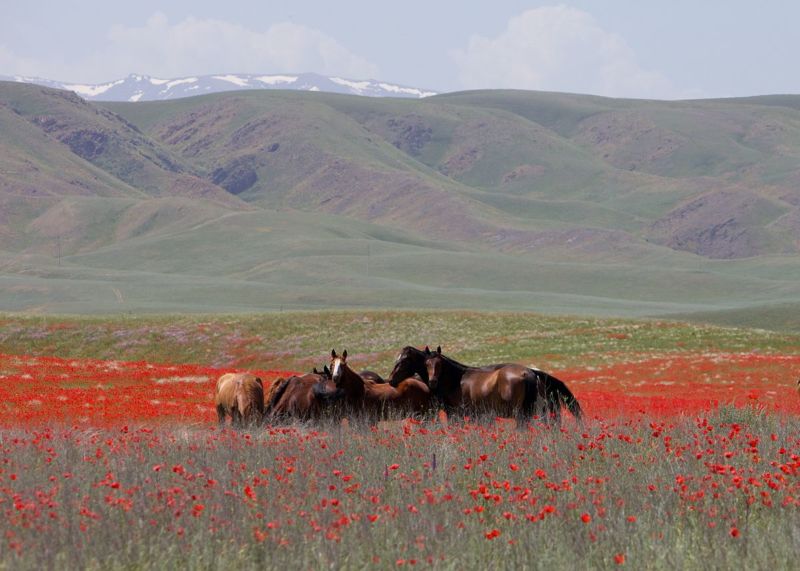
[(636, 48)]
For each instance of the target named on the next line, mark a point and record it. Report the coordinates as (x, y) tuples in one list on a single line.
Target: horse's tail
[(558, 392), (534, 401), (276, 393), (258, 397)]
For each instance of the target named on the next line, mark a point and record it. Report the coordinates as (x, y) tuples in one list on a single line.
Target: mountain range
[(145, 88), (269, 199)]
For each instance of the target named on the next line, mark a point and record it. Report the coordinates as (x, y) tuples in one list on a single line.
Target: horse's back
[(226, 386), (372, 376), (296, 396)]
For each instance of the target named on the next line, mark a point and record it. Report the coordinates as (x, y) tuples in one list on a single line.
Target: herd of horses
[(421, 380)]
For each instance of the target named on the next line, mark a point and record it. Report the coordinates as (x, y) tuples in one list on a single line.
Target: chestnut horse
[(304, 396), (410, 395), (506, 389), (240, 396)]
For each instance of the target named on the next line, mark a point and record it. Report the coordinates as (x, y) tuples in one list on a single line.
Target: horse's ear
[(344, 354), (326, 370), (427, 350), (439, 349), (315, 371), (333, 353)]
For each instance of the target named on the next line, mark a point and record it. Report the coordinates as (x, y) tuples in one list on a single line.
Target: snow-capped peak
[(137, 87)]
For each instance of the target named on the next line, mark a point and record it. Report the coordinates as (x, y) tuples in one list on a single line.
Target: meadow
[(110, 456)]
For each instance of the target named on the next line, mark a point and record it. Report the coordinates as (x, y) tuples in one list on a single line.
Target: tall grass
[(715, 491)]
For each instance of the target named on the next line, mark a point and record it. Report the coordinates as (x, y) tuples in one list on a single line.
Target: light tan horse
[(240, 396)]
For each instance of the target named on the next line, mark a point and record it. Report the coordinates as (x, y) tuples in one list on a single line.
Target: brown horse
[(409, 396), (303, 396), (240, 396), (506, 389)]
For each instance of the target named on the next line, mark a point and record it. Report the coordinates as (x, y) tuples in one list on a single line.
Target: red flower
[(735, 532), (619, 558), (492, 534), (586, 518)]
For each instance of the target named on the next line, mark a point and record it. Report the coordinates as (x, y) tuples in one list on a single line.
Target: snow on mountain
[(145, 88)]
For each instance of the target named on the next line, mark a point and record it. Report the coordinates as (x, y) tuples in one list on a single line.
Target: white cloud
[(197, 46), (558, 48)]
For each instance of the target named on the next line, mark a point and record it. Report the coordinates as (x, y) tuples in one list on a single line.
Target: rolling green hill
[(487, 199)]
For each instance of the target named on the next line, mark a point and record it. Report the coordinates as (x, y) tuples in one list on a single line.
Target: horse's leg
[(221, 414)]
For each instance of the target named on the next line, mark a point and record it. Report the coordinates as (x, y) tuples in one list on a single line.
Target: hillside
[(497, 199)]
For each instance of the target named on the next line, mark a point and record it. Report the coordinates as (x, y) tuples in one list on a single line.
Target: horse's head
[(433, 366), (410, 362), (338, 364)]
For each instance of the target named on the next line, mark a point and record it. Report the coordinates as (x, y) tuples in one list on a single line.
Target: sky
[(663, 49)]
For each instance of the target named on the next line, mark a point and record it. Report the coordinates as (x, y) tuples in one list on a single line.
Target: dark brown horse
[(506, 389), (410, 362), (303, 396), (240, 396), (409, 396)]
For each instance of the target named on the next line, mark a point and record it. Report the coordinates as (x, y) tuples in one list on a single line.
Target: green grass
[(302, 340)]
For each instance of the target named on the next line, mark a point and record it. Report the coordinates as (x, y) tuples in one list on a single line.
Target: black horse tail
[(558, 392), (534, 402), (277, 394)]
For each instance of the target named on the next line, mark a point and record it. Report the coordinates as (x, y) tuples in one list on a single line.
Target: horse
[(410, 362), (410, 395), (303, 396), (508, 389), (240, 396)]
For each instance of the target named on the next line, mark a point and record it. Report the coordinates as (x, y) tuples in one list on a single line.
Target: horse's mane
[(452, 361)]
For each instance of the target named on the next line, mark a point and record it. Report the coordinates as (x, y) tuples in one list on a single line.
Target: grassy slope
[(354, 202)]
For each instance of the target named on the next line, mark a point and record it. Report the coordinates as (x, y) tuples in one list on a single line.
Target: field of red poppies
[(44, 390), (686, 460)]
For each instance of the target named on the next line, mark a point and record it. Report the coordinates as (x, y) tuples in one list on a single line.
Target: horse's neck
[(353, 382), (455, 368)]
